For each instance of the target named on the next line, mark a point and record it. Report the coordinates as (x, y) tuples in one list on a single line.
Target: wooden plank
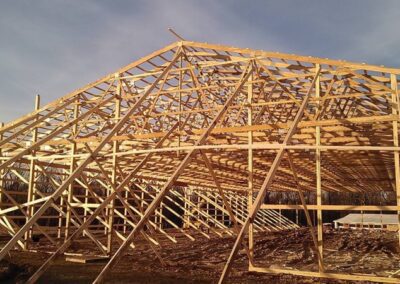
[(333, 207), (396, 111), (86, 259), (250, 170), (319, 179), (338, 276)]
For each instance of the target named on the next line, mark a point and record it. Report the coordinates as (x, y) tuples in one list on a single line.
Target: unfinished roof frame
[(224, 124)]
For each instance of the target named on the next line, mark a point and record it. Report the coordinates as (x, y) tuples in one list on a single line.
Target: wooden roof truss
[(208, 126)]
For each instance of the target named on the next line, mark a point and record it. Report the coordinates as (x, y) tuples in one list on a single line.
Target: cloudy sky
[(51, 47)]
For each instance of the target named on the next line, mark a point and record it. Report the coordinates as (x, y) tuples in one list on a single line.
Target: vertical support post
[(31, 181), (318, 172), (60, 218), (187, 202), (180, 102), (157, 217), (126, 196), (185, 223), (71, 170), (395, 111), (85, 210), (215, 208), (198, 215), (117, 114), (142, 196), (208, 209), (250, 165)]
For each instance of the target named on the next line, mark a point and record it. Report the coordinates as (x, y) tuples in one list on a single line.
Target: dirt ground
[(201, 261)]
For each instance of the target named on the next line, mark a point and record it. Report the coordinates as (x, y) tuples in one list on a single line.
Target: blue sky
[(51, 47)]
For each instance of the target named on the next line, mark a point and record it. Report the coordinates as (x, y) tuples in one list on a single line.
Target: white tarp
[(374, 219)]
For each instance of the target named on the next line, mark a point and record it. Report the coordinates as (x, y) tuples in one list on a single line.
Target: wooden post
[(396, 111), (31, 181), (208, 209), (71, 170), (318, 173), (86, 209), (215, 208), (110, 210), (250, 166), (60, 218), (180, 101), (197, 202), (125, 224)]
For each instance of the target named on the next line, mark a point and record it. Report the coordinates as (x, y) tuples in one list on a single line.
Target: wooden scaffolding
[(202, 132)]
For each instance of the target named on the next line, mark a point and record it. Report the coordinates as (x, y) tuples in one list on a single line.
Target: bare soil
[(201, 261)]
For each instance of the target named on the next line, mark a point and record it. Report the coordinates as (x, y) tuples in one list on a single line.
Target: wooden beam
[(31, 182), (396, 111), (240, 129), (333, 207), (71, 170), (318, 176), (110, 213), (250, 170), (338, 276)]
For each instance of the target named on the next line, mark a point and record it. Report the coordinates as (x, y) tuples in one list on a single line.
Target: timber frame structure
[(208, 129)]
